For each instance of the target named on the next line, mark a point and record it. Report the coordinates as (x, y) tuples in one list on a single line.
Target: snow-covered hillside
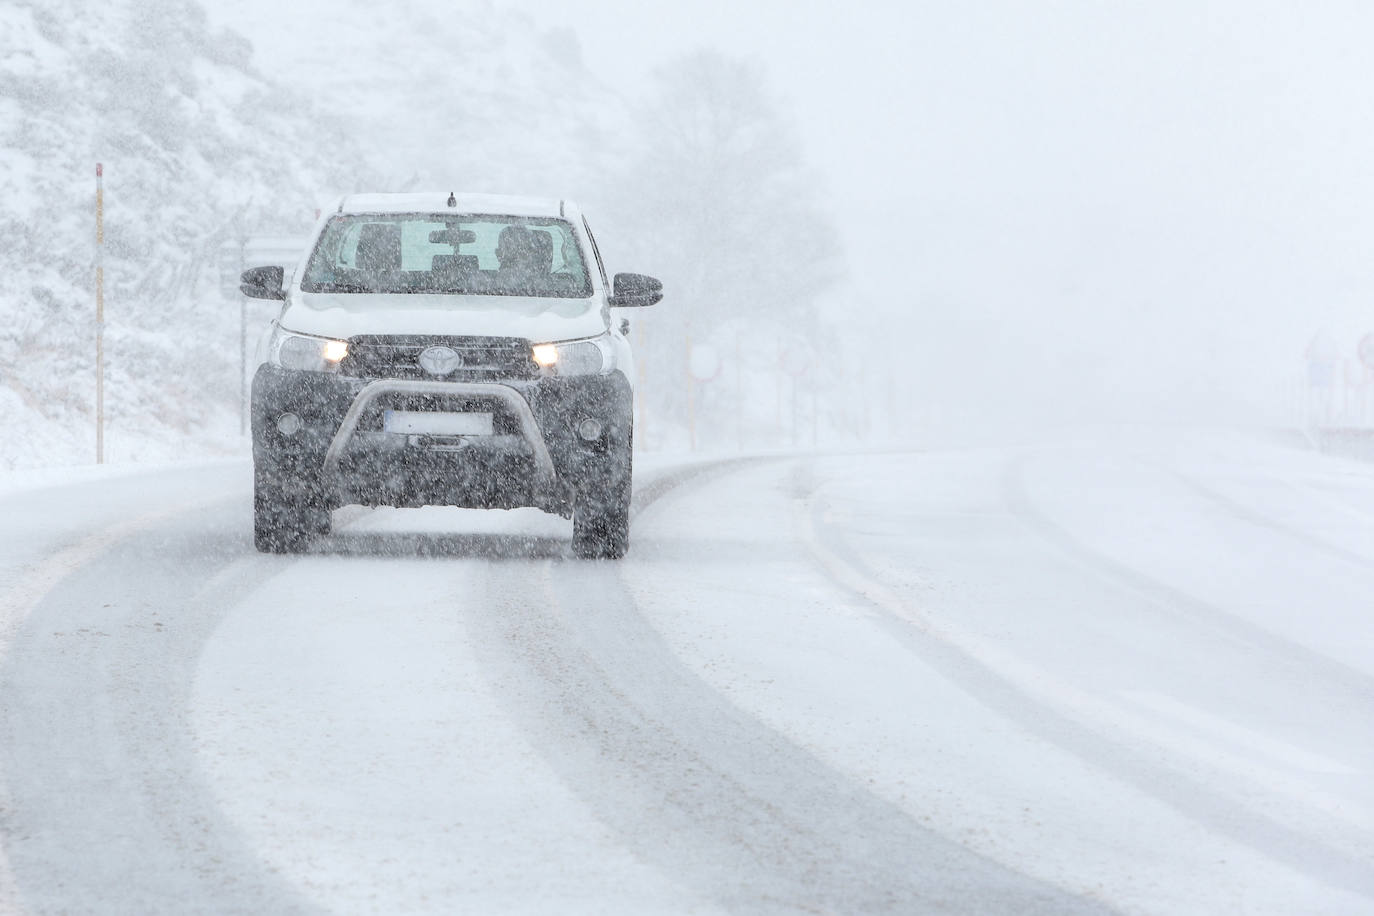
[(199, 147), (466, 95)]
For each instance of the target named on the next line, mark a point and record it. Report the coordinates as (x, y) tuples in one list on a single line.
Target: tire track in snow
[(1258, 519), (1180, 605), (20, 600), (49, 580), (1016, 690), (699, 788), (105, 801), (36, 582)]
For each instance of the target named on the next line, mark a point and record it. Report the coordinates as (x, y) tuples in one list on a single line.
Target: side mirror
[(635, 290), (262, 282)]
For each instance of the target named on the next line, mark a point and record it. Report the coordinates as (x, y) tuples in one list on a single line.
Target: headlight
[(312, 354), (574, 357)]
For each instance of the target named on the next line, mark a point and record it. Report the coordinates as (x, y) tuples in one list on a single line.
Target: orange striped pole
[(99, 313)]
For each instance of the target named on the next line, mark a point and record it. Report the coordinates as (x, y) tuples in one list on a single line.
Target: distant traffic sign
[(795, 361), (703, 362), (1366, 350)]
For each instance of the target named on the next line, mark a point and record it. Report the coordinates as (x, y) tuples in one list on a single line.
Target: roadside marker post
[(703, 365), (243, 349), (641, 434), (99, 313), (691, 393), (795, 361)]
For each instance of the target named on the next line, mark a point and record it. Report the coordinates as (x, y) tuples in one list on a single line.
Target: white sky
[(1162, 194)]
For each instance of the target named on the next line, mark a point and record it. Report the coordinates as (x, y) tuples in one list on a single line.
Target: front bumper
[(536, 458)]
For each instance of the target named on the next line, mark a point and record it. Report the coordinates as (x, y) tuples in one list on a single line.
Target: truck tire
[(286, 519), (601, 517)]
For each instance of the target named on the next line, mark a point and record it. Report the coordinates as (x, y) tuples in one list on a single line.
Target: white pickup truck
[(442, 349)]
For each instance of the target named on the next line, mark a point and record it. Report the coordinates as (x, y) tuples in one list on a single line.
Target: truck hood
[(342, 315)]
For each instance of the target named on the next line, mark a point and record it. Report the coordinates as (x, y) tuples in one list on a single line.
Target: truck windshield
[(440, 253)]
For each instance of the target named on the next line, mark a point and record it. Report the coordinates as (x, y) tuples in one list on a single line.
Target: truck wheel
[(285, 519), (601, 518)]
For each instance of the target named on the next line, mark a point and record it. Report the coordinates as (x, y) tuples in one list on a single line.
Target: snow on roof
[(437, 202)]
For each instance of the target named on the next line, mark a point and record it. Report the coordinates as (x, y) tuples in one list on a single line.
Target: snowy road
[(1108, 674)]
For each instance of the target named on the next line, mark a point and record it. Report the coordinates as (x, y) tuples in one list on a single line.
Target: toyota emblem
[(440, 360)]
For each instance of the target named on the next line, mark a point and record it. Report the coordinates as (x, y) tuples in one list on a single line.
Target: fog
[(1072, 210)]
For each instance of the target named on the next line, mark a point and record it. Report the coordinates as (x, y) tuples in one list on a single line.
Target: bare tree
[(726, 210)]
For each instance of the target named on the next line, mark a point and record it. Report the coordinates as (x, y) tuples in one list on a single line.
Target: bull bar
[(529, 428)]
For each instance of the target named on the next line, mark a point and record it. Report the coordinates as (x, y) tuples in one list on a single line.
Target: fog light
[(589, 429), (288, 424)]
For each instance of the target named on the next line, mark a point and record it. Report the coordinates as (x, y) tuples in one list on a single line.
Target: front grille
[(482, 358)]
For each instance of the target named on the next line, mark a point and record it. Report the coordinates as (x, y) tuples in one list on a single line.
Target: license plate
[(437, 423)]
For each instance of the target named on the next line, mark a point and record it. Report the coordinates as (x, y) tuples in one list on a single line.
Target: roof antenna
[(452, 201)]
